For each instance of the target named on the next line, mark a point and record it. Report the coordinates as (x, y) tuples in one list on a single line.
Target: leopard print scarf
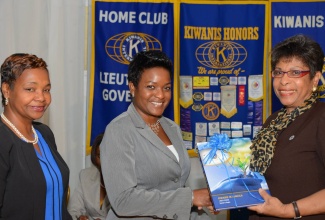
[(264, 143)]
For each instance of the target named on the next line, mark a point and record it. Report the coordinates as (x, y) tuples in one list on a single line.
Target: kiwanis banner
[(120, 30), (291, 18), (222, 87)]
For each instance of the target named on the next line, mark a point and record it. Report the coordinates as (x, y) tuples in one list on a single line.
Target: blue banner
[(222, 51), (120, 30), (291, 18)]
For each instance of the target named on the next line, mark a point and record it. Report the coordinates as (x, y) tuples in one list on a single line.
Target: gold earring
[(6, 101), (314, 89)]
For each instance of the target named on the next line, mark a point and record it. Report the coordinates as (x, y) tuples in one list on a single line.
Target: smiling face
[(29, 96), (153, 93), (292, 92)]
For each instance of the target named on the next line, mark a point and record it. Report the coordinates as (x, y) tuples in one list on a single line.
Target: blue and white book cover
[(225, 163)]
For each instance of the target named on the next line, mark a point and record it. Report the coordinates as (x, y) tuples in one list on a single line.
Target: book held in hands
[(225, 164)]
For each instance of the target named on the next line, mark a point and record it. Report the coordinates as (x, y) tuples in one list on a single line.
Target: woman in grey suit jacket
[(89, 199), (146, 163)]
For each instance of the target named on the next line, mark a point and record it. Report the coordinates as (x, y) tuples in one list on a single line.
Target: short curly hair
[(146, 60), (14, 66), (302, 48)]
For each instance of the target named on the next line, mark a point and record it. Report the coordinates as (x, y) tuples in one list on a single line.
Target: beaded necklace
[(155, 127), (18, 132)]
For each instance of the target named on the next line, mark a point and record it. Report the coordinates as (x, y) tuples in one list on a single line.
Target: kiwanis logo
[(221, 54), (122, 47), (210, 111)]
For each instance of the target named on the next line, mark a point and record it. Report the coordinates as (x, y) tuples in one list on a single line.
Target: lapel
[(147, 133), (299, 124), (26, 154), (32, 161), (172, 132)]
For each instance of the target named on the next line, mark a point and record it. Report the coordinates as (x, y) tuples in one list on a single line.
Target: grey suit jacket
[(85, 198), (143, 178)]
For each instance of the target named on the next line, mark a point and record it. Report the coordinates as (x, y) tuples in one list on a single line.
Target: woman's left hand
[(272, 206)]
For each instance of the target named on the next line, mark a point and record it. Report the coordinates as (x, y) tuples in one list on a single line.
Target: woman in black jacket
[(33, 176)]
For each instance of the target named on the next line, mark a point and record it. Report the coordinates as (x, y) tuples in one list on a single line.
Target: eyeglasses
[(290, 73)]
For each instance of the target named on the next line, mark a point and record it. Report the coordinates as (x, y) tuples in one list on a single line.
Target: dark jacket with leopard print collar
[(298, 166), (297, 169)]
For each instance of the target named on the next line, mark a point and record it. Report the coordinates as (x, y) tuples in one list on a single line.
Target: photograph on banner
[(222, 62), (120, 30), (292, 18)]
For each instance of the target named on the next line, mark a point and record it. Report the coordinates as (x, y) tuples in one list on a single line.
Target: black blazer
[(22, 182)]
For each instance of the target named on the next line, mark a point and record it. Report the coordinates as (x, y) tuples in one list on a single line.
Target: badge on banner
[(228, 101), (255, 87), (186, 91)]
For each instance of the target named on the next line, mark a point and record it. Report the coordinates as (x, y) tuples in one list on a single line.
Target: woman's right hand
[(201, 198), (212, 211)]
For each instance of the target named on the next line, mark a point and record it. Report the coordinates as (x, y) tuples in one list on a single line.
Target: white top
[(172, 148)]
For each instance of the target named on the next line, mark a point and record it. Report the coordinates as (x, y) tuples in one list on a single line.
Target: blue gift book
[(225, 164)]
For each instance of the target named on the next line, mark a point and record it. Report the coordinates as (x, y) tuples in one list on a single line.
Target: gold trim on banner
[(256, 99), (186, 104), (176, 91), (185, 91), (228, 101), (228, 114)]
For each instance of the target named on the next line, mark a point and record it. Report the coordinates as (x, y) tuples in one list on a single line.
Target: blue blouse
[(54, 185)]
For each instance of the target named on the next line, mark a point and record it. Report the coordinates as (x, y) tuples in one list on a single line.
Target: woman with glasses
[(290, 148)]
